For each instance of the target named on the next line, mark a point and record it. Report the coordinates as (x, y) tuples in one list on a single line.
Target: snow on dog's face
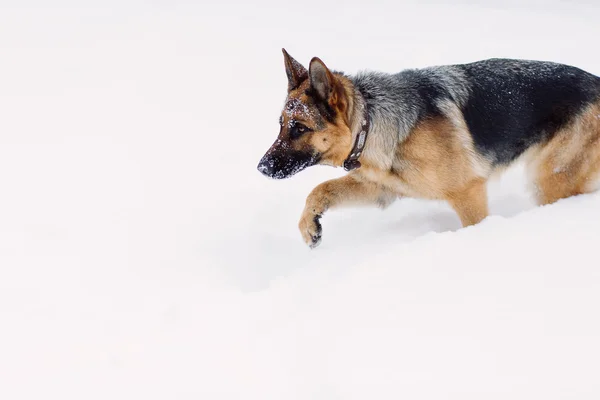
[(314, 122)]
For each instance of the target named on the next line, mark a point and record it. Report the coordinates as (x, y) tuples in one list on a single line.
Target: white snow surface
[(142, 256)]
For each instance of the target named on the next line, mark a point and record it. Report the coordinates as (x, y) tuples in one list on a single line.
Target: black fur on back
[(514, 104)]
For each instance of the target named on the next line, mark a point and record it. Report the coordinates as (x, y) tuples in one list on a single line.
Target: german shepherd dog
[(437, 133)]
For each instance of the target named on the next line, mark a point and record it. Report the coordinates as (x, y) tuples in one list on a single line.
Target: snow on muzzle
[(281, 161)]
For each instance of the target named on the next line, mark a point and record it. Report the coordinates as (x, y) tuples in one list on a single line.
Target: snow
[(143, 256), (294, 109)]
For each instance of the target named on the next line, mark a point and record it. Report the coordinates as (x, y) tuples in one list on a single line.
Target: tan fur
[(334, 142), (431, 163), (470, 202), (438, 161), (347, 190), (569, 164)]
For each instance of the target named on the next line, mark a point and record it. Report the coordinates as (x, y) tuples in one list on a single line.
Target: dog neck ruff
[(359, 144)]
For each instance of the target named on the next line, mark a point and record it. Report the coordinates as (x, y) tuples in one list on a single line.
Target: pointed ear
[(296, 73), (322, 80)]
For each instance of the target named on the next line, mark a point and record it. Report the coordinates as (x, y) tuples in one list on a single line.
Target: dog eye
[(298, 130)]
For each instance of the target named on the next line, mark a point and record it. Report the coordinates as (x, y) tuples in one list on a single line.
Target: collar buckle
[(349, 165)]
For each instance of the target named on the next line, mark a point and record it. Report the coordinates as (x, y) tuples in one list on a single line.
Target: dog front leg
[(334, 193)]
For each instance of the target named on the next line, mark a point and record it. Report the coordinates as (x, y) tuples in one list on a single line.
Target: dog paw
[(311, 230)]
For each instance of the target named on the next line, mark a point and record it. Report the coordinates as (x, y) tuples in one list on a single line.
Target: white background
[(143, 256)]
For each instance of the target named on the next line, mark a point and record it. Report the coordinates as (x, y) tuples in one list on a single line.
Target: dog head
[(314, 122)]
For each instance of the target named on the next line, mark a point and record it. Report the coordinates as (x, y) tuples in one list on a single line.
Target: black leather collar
[(359, 144)]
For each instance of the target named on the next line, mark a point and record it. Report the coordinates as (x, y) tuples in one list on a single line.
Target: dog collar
[(359, 144)]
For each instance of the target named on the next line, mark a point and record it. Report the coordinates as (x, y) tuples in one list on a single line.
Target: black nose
[(265, 166)]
